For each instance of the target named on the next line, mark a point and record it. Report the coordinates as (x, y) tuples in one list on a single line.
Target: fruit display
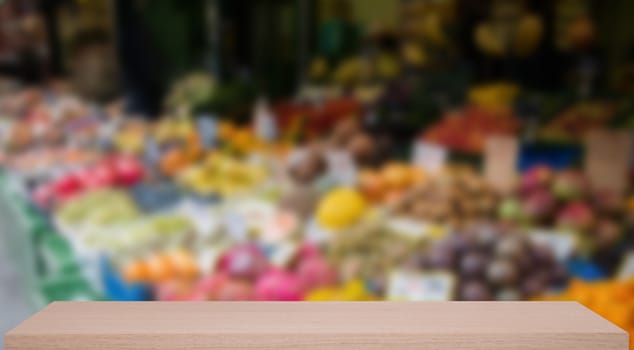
[(132, 237), (191, 92), (223, 175), (459, 197), (499, 36), (89, 209), (496, 97), (573, 123), (122, 171), (310, 120), (327, 203), (466, 130), (566, 200), (388, 183), (340, 208), (245, 273), (370, 249), (179, 264), (490, 264), (612, 300)]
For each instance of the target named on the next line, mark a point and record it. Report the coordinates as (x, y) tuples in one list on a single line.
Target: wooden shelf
[(316, 326)]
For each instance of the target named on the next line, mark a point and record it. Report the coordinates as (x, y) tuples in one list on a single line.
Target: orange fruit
[(372, 185), (184, 264), (136, 271), (160, 267), (173, 161), (396, 175)]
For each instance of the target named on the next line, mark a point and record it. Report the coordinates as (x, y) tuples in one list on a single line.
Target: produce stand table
[(340, 325)]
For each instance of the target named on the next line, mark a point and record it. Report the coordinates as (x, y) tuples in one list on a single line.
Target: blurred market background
[(316, 150)]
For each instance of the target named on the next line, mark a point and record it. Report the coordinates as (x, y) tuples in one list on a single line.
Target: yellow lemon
[(340, 208)]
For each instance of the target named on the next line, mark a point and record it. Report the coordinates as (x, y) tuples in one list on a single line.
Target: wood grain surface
[(328, 325)]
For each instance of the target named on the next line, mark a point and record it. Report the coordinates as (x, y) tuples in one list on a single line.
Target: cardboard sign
[(429, 157), (608, 156), (414, 286), (500, 162)]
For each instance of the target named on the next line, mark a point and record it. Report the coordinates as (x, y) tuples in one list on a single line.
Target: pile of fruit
[(613, 300), (466, 130), (572, 124), (390, 182), (459, 197), (245, 272), (566, 200), (119, 171), (489, 264), (220, 174), (196, 208), (98, 208)]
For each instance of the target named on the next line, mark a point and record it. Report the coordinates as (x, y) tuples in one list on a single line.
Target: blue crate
[(556, 156), (117, 289)]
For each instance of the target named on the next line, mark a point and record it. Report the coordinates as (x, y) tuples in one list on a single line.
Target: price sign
[(429, 157), (236, 226), (341, 167), (409, 228), (562, 244), (626, 270), (207, 130), (500, 162), (608, 156), (413, 286)]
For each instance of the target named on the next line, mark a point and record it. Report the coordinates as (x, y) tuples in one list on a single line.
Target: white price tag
[(315, 233), (236, 226), (264, 121), (627, 267), (408, 228), (202, 216), (207, 130), (283, 253), (429, 157), (414, 286), (341, 167), (563, 244)]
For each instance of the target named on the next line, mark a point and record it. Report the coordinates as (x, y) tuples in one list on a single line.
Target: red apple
[(234, 290), (98, 176), (315, 272), (207, 287), (278, 285), (576, 215), (128, 170), (535, 178), (67, 185)]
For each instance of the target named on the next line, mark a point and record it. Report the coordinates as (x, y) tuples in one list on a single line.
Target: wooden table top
[(327, 325)]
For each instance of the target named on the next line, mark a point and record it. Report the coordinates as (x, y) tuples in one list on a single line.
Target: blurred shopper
[(23, 42), (92, 68)]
